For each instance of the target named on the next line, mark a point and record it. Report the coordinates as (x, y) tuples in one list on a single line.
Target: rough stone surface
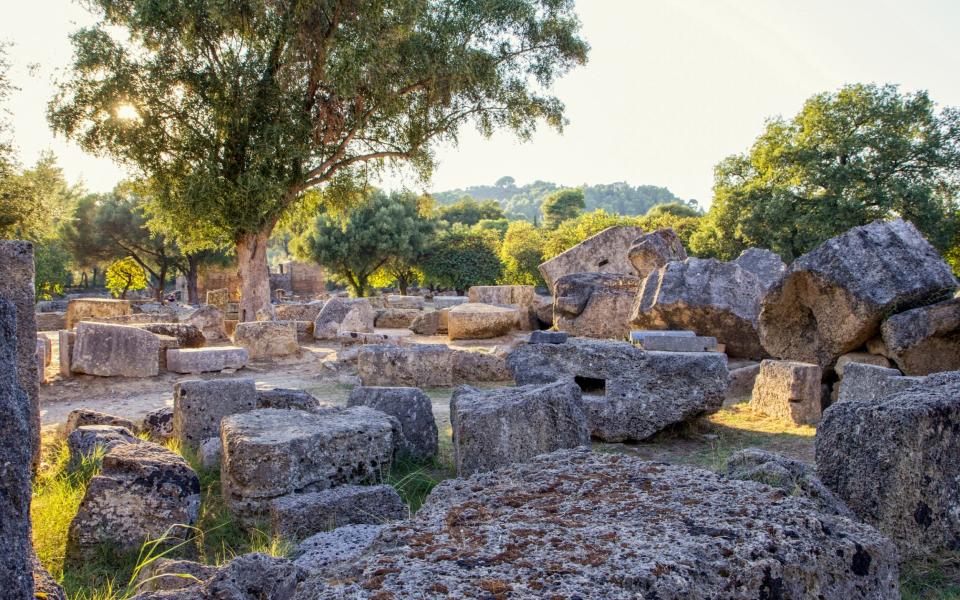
[(44, 585), (478, 366), (210, 453), (606, 252), (299, 516), (142, 492), (115, 350), (514, 295), (653, 250), (894, 462), (84, 416), (51, 321), (427, 323), (410, 406), (472, 321), (405, 302), (788, 390), (766, 265), (188, 336), (206, 360), (441, 302), (833, 299), (707, 296), (267, 339), (165, 574), (66, 340), (342, 315), (426, 365), (492, 428), (328, 553), (792, 476), (270, 453), (396, 318), (208, 319), (543, 309), (286, 399), (629, 394), (679, 343), (576, 524), (595, 304), (84, 441), (742, 380), (158, 424), (199, 406), (549, 337), (298, 312), (15, 463), (861, 358), (925, 340), (872, 383), (80, 309), (247, 577)]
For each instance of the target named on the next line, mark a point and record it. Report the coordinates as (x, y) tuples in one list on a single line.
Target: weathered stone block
[(427, 323), (187, 335), (872, 383), (788, 390), (766, 265), (286, 399), (199, 406), (83, 416), (115, 350), (51, 321), (440, 302), (206, 360), (679, 343), (396, 318), (298, 312), (549, 337), (478, 366), (266, 339), (862, 358), (412, 408), (329, 553), (493, 428), (653, 250), (595, 304), (65, 344), (925, 340), (270, 453), (80, 309), (208, 319), (342, 315), (416, 365), (86, 439), (405, 302), (473, 321), (894, 462), (606, 252), (158, 424), (516, 295), (299, 516)]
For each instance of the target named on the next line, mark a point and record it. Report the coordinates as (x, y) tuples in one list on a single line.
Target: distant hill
[(524, 201)]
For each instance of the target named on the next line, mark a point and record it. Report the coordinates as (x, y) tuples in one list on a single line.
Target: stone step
[(206, 360)]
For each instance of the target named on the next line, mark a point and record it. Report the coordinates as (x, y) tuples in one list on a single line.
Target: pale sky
[(672, 86)]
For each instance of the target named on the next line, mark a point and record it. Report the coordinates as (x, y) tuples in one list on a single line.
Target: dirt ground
[(707, 442)]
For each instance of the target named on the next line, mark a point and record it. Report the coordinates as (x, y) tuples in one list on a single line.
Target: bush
[(125, 275)]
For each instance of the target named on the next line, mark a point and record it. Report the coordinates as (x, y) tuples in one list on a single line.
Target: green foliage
[(498, 226), (561, 206), (35, 201), (355, 245), (684, 225), (461, 257), (237, 109), (521, 253), (850, 157), (572, 232), (468, 211), (51, 262), (124, 275)]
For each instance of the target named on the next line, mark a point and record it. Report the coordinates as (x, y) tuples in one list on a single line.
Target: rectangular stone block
[(449, 301), (51, 321), (65, 343), (115, 351), (267, 339), (199, 406), (638, 336), (670, 343), (206, 360), (270, 453), (299, 516), (415, 365), (79, 309), (871, 383), (606, 252), (398, 301), (789, 390)]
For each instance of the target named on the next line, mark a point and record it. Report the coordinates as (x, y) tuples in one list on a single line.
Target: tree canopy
[(561, 206), (863, 153), (239, 109), (461, 257)]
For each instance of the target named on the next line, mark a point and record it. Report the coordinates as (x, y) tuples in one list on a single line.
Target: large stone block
[(606, 252), (187, 335), (473, 321), (766, 265), (894, 462), (342, 315), (925, 340), (516, 295), (832, 300), (653, 250), (440, 302), (288, 399), (707, 296), (410, 406), (17, 287), (81, 309), (869, 382), (629, 394), (16, 547), (270, 453), (65, 343), (208, 319), (493, 428), (477, 366), (267, 339), (328, 554), (595, 305), (206, 360), (405, 302), (428, 323), (115, 350), (143, 492), (51, 321), (80, 417), (199, 406), (299, 516), (298, 312), (87, 440), (416, 365), (577, 524), (788, 390), (396, 318)]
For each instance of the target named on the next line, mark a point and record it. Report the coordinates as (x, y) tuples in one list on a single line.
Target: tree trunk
[(254, 274), (161, 283), (95, 269), (192, 274)]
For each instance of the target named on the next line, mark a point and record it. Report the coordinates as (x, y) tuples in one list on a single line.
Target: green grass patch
[(936, 578)]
